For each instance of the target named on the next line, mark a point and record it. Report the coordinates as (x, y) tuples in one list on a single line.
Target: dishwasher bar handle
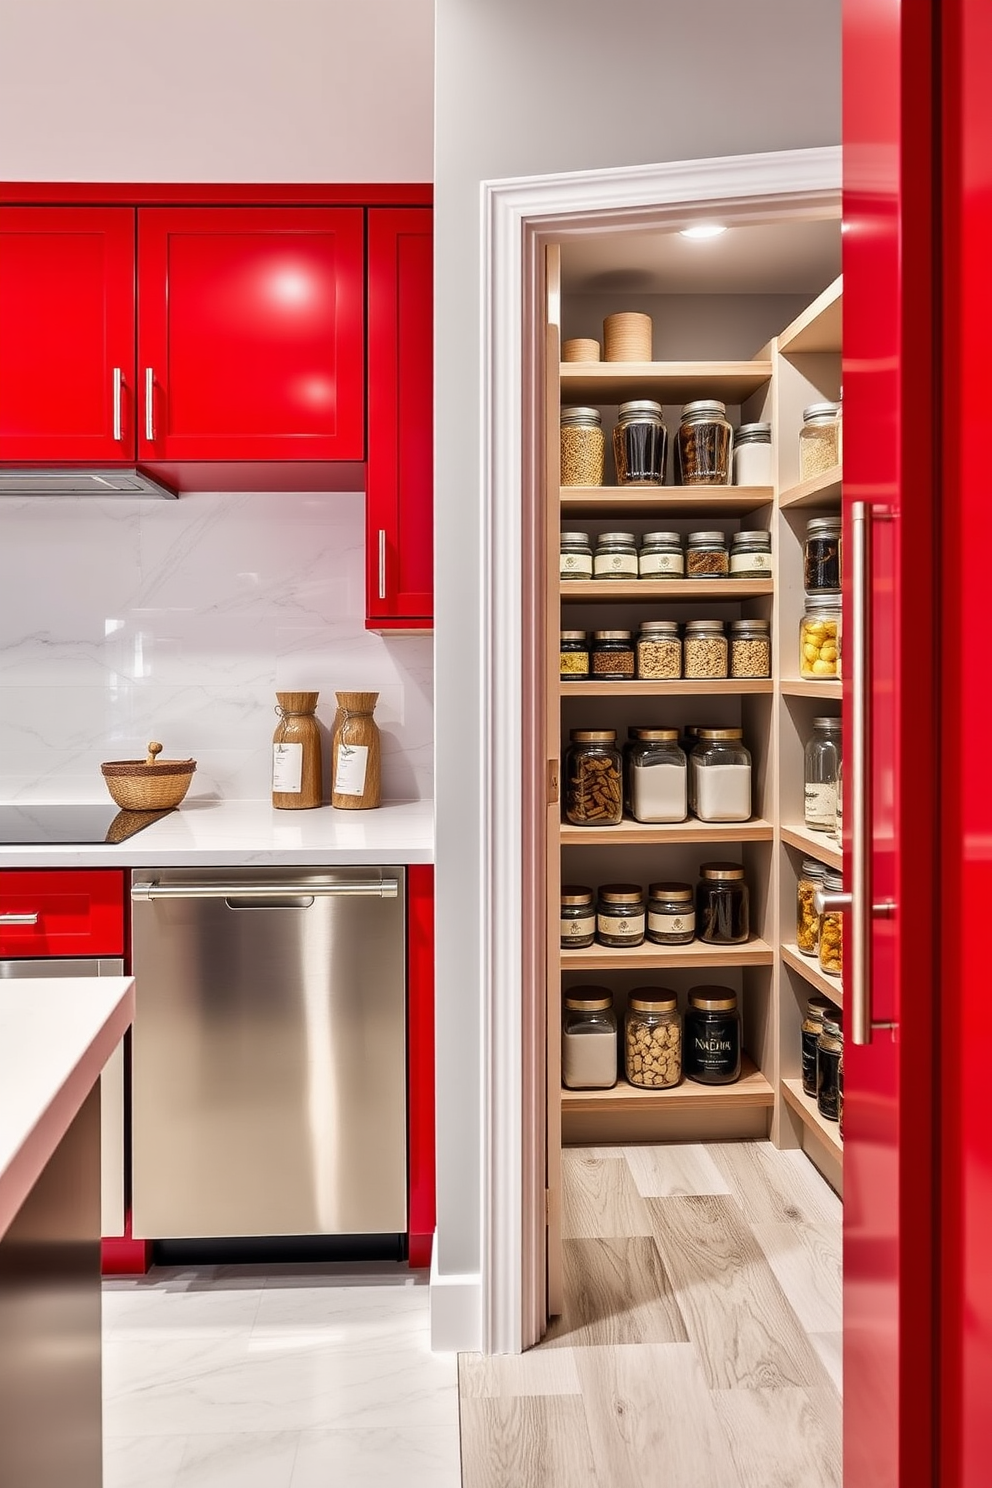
[(384, 888)]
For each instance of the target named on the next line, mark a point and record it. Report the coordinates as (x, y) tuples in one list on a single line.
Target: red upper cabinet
[(400, 473), (250, 333), (67, 387)]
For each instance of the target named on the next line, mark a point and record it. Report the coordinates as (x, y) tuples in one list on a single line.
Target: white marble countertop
[(227, 834), (56, 1035)]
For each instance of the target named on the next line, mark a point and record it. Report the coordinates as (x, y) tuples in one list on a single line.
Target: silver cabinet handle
[(118, 404), (18, 919), (382, 563), (149, 403), (385, 888)]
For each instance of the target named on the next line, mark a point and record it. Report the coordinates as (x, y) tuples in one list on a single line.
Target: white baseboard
[(456, 1311)]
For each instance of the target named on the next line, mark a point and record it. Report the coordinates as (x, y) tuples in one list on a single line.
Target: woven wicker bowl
[(148, 785)]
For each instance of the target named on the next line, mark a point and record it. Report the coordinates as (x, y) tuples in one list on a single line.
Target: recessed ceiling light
[(703, 230)]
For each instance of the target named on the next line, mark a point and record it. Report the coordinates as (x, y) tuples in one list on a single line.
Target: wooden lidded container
[(356, 753), (296, 782), (627, 337)]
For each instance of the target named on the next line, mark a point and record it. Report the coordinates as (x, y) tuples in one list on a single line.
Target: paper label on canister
[(575, 566), (353, 762), (821, 806), (615, 563), (750, 562), (620, 925), (578, 929), (664, 564), (287, 768), (669, 924)]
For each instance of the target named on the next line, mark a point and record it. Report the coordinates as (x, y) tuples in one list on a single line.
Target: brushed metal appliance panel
[(269, 1060)]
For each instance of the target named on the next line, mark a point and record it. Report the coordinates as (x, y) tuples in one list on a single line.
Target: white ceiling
[(792, 257)]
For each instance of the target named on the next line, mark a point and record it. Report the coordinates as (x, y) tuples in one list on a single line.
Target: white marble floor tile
[(142, 1461), (246, 1459), (413, 1456), (172, 1308)]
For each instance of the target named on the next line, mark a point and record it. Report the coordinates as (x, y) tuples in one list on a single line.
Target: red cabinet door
[(399, 507), (250, 333), (67, 334), (70, 912)]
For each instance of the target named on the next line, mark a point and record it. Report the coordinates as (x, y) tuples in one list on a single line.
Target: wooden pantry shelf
[(819, 327), (632, 833), (668, 382), (816, 845), (808, 968), (819, 490), (693, 957), (752, 1089), (680, 687), (831, 687), (663, 501), (622, 591), (805, 1106)]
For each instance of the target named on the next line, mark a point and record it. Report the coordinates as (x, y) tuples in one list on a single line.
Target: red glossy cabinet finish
[(400, 480), (250, 333), (79, 912), (67, 334)]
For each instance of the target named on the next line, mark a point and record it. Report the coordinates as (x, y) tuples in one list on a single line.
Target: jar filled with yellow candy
[(832, 930), (819, 638)]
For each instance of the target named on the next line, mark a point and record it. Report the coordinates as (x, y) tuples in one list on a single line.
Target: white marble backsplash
[(124, 620)]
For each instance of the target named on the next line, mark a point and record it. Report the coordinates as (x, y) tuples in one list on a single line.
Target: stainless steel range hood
[(82, 482)]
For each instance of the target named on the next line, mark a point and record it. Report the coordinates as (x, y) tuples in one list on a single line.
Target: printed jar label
[(615, 563), (745, 562), (821, 806), (575, 566), (620, 925), (287, 768), (578, 929), (661, 563), (669, 924), (353, 761)]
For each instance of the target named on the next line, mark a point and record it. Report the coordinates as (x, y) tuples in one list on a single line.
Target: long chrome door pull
[(385, 888), (150, 403), (382, 563), (18, 919), (118, 404)]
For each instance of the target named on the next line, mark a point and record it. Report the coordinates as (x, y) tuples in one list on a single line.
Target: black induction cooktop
[(68, 826)]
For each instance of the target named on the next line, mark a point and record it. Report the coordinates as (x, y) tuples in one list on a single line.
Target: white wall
[(526, 89), (216, 90)]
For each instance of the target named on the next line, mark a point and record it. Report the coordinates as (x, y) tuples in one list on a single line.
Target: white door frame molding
[(519, 216)]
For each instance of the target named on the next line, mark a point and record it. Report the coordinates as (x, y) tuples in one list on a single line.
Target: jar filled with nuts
[(812, 1027), (582, 447), (671, 914), (592, 779), (819, 440), (659, 651), (589, 1039), (713, 1036), (653, 1038), (615, 556), (819, 637), (829, 1047), (707, 556), (574, 656), (620, 916), (751, 555), (640, 443), (661, 556), (704, 649), (807, 914), (704, 443), (613, 655), (750, 648), (576, 556), (657, 776), (832, 929), (578, 917)]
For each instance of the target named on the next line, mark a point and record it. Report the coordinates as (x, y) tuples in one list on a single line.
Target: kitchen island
[(56, 1036)]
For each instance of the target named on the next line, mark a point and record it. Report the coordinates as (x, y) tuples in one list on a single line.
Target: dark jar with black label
[(722, 904), (829, 1047), (712, 1045), (812, 1027)]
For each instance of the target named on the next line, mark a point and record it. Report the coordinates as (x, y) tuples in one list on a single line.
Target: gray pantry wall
[(521, 90)]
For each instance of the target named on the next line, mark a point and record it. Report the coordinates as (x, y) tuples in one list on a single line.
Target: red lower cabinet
[(53, 912), (420, 1061)]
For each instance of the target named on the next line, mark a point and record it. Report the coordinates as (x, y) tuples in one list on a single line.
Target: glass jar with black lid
[(712, 1042), (812, 1026), (615, 556), (821, 556), (704, 443), (661, 556), (640, 443), (613, 655), (829, 1047), (575, 561), (751, 555), (574, 656), (671, 914), (620, 916), (722, 904), (578, 917)]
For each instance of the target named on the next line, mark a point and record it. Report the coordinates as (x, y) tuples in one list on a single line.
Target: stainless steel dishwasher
[(269, 1052)]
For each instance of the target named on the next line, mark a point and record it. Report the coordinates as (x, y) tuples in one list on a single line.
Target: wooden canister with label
[(296, 782), (356, 753)]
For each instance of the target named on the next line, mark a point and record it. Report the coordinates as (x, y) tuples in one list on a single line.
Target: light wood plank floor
[(700, 1339)]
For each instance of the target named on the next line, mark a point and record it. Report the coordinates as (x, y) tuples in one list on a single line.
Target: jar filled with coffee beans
[(613, 655), (704, 649), (620, 916), (640, 443), (659, 651), (661, 556), (750, 648), (593, 784), (615, 556), (575, 561), (707, 556), (653, 1038), (704, 443), (582, 447)]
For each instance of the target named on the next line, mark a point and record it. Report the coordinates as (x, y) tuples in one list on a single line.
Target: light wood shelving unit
[(800, 366)]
